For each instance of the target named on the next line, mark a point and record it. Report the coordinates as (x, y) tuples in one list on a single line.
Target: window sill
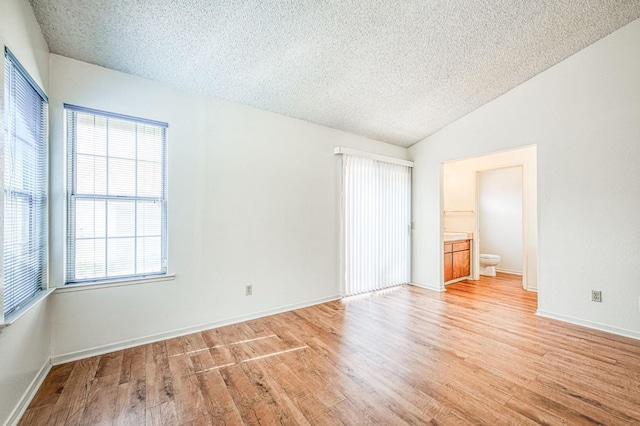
[(68, 288), (26, 308)]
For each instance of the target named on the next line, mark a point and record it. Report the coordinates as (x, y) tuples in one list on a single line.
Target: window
[(25, 187), (117, 197)]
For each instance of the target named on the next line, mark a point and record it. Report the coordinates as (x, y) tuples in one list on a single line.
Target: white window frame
[(34, 288), (72, 196)]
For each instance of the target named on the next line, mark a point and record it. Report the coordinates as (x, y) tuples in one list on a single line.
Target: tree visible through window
[(117, 196)]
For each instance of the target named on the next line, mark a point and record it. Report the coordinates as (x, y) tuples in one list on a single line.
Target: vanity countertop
[(456, 236)]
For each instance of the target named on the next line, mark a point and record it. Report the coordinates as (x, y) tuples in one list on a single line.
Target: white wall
[(24, 345), (253, 199), (583, 116), (500, 216), (459, 193)]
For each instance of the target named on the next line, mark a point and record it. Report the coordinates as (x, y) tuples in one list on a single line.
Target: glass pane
[(122, 139), (90, 258), (149, 218), (122, 177), (91, 175), (91, 134), (27, 107), (90, 218), (149, 254), (150, 143), (121, 219), (20, 165), (149, 179), (121, 255), (17, 228)]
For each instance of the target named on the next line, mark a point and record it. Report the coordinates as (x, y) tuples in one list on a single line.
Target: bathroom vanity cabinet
[(457, 259)]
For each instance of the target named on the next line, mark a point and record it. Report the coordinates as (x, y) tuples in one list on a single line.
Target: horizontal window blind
[(25, 187), (117, 206), (377, 217)]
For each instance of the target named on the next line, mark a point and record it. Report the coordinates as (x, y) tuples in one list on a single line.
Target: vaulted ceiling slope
[(392, 70)]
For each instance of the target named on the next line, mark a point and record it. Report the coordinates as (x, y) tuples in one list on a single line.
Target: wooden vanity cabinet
[(457, 259), (448, 262)]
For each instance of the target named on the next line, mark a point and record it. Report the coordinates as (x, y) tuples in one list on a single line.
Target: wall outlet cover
[(596, 296)]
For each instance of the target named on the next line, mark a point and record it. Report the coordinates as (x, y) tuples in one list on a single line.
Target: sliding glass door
[(377, 222)]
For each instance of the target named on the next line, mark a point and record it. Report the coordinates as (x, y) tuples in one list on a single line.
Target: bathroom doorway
[(462, 211), (500, 227)]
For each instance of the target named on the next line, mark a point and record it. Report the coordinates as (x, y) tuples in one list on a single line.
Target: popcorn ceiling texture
[(395, 70)]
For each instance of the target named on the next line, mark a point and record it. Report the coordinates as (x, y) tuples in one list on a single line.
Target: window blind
[(117, 187), (377, 219), (25, 187)]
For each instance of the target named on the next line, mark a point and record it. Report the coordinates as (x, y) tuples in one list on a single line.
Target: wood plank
[(163, 414), (314, 403), (39, 415), (131, 403), (220, 405), (101, 401), (53, 387), (190, 404), (251, 399), (132, 388), (159, 382), (110, 364), (73, 399), (133, 365)]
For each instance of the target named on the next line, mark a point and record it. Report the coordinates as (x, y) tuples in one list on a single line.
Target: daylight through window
[(24, 150), (117, 196)]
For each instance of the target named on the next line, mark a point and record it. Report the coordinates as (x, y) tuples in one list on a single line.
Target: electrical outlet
[(596, 296), (249, 290)]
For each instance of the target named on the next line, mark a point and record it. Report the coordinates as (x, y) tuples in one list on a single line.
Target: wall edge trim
[(130, 343), (26, 398), (427, 286), (509, 271), (589, 324)]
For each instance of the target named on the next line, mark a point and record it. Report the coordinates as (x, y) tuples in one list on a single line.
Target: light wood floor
[(475, 354)]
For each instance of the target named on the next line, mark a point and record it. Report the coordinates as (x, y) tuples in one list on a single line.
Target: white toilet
[(488, 264)]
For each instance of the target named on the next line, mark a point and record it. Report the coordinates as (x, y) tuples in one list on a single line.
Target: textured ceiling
[(395, 70)]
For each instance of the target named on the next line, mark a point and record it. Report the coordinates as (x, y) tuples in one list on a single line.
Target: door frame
[(525, 221)]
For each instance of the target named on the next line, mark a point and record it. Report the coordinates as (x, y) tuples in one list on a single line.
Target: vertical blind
[(25, 187), (117, 218), (377, 218)]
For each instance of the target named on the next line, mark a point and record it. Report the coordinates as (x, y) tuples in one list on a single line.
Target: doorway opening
[(491, 201), (500, 230)]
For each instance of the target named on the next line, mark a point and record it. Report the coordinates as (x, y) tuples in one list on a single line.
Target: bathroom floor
[(501, 289)]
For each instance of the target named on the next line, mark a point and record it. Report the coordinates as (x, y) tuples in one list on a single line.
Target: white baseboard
[(530, 287), (130, 343), (594, 325), (457, 280), (28, 395), (427, 286), (509, 271)]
